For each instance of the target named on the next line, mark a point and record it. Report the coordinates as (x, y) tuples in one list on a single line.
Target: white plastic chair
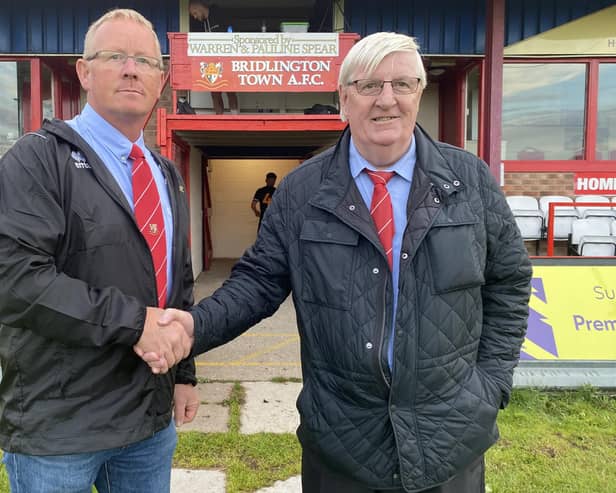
[(607, 213), (597, 246), (593, 238), (563, 215), (528, 216)]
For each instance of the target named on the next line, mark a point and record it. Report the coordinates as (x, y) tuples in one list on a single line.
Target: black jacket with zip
[(77, 276), (460, 322)]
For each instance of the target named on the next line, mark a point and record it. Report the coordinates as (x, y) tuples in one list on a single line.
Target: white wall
[(232, 186), (196, 214), (428, 110)]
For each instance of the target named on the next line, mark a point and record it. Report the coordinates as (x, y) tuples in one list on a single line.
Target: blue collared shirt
[(113, 148), (399, 187)]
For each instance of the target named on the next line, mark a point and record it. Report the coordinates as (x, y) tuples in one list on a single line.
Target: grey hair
[(368, 53), (119, 14)]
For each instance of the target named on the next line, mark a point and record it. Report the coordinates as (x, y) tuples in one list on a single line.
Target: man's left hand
[(185, 403)]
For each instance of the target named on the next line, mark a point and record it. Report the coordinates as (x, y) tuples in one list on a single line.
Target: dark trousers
[(318, 478)]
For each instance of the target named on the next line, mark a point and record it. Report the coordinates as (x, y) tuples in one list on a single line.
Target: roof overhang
[(255, 135)]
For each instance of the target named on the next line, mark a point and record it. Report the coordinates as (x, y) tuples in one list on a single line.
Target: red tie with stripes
[(381, 210), (149, 217)]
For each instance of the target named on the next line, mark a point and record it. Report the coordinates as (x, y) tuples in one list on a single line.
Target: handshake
[(167, 338)]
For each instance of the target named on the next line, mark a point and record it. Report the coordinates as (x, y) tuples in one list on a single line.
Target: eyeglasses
[(373, 87), (118, 59)]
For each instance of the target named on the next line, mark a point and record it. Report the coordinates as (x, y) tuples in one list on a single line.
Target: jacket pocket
[(455, 253), (328, 258)]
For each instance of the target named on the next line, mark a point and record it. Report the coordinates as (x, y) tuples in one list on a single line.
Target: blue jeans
[(142, 467)]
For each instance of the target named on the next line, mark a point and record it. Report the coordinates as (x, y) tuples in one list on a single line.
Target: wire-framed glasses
[(117, 58), (374, 87)]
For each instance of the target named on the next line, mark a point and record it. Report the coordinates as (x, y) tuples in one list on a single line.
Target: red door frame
[(183, 164), (206, 204), (492, 87), (452, 107)]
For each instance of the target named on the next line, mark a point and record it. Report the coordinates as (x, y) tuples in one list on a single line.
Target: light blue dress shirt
[(399, 187), (113, 148)]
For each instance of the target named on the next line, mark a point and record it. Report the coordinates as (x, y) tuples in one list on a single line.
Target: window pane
[(606, 121), (472, 110), (47, 93), (543, 111), (9, 106)]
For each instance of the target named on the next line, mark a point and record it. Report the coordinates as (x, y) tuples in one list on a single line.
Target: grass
[(250, 461), (551, 442), (555, 442)]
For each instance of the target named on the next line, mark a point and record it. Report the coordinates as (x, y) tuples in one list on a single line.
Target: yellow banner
[(572, 313), (591, 35)]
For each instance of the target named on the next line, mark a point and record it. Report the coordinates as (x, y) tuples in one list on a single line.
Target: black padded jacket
[(461, 316)]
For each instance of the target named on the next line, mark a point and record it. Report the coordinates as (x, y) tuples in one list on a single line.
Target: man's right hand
[(163, 346)]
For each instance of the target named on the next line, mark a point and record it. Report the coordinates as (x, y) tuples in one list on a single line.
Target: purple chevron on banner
[(539, 331)]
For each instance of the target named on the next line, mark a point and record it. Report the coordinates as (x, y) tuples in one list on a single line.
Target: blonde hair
[(368, 53), (119, 14)]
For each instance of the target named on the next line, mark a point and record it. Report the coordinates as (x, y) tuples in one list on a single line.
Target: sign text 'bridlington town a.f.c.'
[(275, 62)]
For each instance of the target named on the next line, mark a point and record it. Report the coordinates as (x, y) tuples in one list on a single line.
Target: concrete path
[(268, 407), (191, 481), (269, 349)]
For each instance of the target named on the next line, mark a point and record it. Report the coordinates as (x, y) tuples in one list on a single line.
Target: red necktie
[(381, 211), (149, 217)]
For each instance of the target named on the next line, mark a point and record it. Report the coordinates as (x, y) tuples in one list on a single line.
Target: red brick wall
[(538, 184)]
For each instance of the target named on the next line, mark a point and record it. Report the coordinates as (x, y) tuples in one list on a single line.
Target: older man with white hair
[(411, 285)]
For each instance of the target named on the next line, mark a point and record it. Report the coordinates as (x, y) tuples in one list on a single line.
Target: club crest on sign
[(211, 71)]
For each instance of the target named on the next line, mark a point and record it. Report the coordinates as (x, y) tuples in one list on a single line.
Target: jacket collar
[(435, 167)]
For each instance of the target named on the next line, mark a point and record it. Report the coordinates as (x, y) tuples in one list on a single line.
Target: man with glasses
[(410, 281), (93, 245)]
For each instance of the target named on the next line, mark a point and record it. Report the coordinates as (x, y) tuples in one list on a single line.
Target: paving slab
[(197, 481), (270, 407), (210, 418), (212, 415), (214, 392), (291, 485)]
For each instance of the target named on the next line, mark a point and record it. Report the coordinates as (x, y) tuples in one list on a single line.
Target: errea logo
[(80, 160)]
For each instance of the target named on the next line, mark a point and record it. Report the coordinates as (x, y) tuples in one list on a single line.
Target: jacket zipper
[(382, 337)]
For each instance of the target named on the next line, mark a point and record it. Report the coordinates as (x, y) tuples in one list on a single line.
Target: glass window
[(472, 110), (11, 102), (543, 111), (606, 118), (47, 93)]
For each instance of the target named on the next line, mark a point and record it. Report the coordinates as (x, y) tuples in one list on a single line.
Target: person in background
[(410, 282), (93, 245), (263, 196), (200, 21)]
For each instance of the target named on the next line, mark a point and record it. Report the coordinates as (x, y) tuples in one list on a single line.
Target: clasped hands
[(167, 338)]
